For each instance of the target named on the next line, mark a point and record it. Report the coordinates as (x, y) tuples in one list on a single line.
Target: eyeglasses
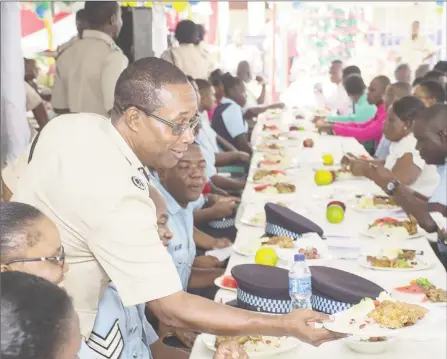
[(177, 128), (60, 259)]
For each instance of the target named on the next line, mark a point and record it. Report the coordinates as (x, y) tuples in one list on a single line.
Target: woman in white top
[(189, 57), (404, 160)]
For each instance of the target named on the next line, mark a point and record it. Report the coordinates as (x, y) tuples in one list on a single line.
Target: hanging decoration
[(43, 9), (180, 6), (333, 32), (296, 5), (193, 2)]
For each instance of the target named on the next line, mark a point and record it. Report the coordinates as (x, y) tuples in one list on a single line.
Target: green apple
[(335, 214)]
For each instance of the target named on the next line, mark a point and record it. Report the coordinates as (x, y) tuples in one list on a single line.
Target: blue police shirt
[(233, 118), (181, 223), (207, 135), (119, 332)]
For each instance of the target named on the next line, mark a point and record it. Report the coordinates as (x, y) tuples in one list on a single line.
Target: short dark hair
[(354, 84), (437, 113), (417, 81), (402, 67), (383, 80), (186, 32), (434, 75), (190, 78), (99, 13), (36, 316), (434, 89), (203, 84), (229, 82), (200, 33), (338, 62), (140, 83), (216, 77), (16, 229), (408, 108), (81, 14), (351, 70), (441, 66)]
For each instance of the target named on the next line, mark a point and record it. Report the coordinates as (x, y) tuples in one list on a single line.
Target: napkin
[(221, 254)]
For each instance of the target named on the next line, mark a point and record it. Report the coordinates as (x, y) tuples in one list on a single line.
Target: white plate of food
[(345, 175), (420, 290), (268, 176), (384, 317), (269, 147), (271, 128), (279, 243), (396, 260), (280, 188), (226, 282), (258, 220), (375, 203), (393, 228), (254, 345), (312, 248)]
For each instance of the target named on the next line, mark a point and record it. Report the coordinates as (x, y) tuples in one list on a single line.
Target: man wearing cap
[(95, 188), (430, 131), (86, 71)]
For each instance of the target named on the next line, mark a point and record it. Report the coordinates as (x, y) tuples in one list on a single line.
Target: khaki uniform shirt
[(85, 177), (191, 59), (86, 74)]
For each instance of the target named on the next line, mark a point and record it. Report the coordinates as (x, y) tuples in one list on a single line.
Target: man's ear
[(132, 118)]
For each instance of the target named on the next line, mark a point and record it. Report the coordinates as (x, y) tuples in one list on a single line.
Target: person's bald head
[(430, 131), (376, 90), (154, 109), (395, 92)]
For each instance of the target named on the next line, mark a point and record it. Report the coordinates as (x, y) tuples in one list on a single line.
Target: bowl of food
[(369, 345)]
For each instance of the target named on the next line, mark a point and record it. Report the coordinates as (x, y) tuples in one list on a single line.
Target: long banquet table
[(310, 201)]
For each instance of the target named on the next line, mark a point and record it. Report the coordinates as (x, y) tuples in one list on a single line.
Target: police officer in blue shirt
[(124, 332), (182, 187), (228, 118), (430, 131)]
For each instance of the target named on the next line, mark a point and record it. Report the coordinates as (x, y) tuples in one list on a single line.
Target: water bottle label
[(301, 286)]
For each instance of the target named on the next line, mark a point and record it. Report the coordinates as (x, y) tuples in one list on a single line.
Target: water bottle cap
[(299, 258)]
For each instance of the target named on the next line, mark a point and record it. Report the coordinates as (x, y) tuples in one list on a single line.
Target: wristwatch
[(391, 187)]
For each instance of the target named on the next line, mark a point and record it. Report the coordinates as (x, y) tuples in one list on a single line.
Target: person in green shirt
[(363, 110)]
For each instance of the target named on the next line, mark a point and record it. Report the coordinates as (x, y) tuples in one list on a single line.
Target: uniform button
[(135, 355)]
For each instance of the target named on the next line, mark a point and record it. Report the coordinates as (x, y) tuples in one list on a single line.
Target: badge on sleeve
[(139, 183)]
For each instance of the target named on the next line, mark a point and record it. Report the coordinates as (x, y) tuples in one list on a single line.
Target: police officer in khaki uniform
[(86, 71), (87, 174), (81, 25)]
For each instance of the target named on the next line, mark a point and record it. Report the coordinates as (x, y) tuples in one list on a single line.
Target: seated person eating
[(363, 111), (404, 160), (368, 133), (228, 118)]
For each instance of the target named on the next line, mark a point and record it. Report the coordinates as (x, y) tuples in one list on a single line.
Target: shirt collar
[(228, 100), (442, 169), (95, 34), (119, 141), (173, 206)]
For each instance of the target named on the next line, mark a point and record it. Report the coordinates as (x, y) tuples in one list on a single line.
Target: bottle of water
[(300, 284)]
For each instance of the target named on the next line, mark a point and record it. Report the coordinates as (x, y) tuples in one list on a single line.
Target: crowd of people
[(108, 215)]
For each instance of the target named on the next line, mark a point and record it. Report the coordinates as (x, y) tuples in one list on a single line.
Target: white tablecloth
[(311, 200)]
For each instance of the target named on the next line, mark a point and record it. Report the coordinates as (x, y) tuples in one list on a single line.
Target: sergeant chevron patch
[(108, 347)]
